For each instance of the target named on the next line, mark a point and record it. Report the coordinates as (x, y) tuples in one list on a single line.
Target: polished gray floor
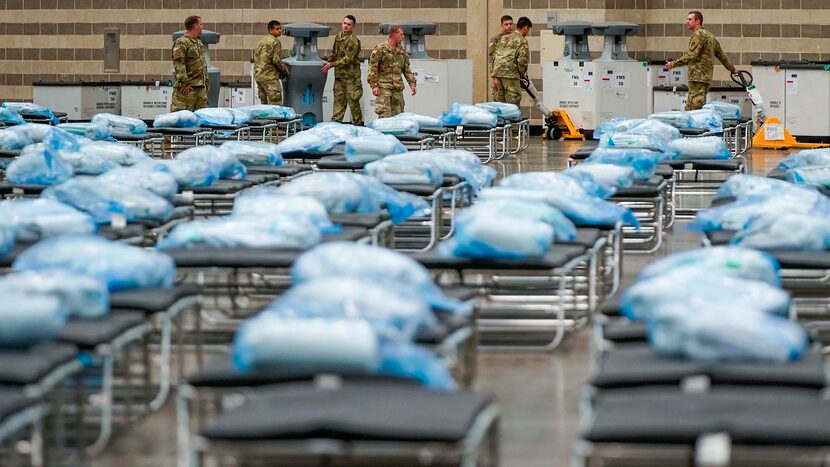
[(537, 392)]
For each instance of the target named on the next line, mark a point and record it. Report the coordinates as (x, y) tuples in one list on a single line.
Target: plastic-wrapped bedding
[(707, 147), (119, 266), (786, 231), (35, 219), (344, 192), (563, 229), (676, 118), (129, 124), (267, 201), (640, 126), (585, 210), (558, 182), (744, 263), (94, 131), (742, 185), (706, 119), (643, 161), (465, 114), (30, 319), (104, 199), (397, 314), (373, 263), (178, 119), (276, 231), (458, 162), (35, 131), (223, 116), (84, 163), (699, 289), (308, 141), (806, 158), (484, 234), (82, 296), (254, 152), (423, 121), (616, 125), (339, 131), (13, 138), (633, 141), (403, 170), (736, 215), (270, 111), (188, 174), (11, 117), (7, 240), (725, 109), (371, 148), (121, 154), (153, 178), (504, 110), (609, 174), (224, 163), (32, 109), (815, 176), (62, 140), (395, 126), (38, 168)]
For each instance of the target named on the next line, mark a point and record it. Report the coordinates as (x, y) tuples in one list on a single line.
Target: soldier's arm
[(491, 51), (522, 58), (407, 72), (695, 47), (721, 56), (372, 78), (179, 67), (276, 59)]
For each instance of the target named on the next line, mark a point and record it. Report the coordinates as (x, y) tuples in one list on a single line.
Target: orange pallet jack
[(557, 123)]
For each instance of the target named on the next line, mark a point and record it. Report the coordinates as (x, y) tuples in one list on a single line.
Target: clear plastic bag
[(397, 314), (38, 168), (254, 152), (608, 174), (633, 141), (224, 163), (13, 138), (726, 110), (7, 240), (10, 116), (276, 231), (557, 182), (223, 116), (119, 266), (744, 263), (616, 125), (736, 215), (28, 108), (93, 131), (365, 131), (270, 202), (676, 118), (707, 147), (35, 219), (722, 332), (270, 111), (82, 163), (786, 231), (82, 296), (178, 119), (35, 131), (370, 148), (504, 110), (742, 186), (806, 158), (563, 229), (375, 264), (308, 141), (188, 174), (655, 129), (457, 162), (643, 161), (706, 119), (340, 131), (404, 170), (395, 126), (103, 199), (414, 362), (479, 234), (423, 121), (154, 178), (132, 125), (814, 176), (26, 320), (61, 140), (465, 114), (121, 154)]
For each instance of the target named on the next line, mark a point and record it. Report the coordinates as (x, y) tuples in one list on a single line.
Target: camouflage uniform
[(509, 64), (491, 53), (190, 69), (268, 69), (386, 64), (703, 49), (347, 86)]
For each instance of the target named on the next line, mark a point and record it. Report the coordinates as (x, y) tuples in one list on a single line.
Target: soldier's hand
[(413, 90), (736, 72), (375, 92), (326, 67), (669, 65), (495, 83), (185, 90)]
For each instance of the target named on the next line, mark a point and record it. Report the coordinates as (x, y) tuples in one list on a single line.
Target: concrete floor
[(537, 393)]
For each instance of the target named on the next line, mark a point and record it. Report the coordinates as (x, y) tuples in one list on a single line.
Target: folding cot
[(223, 133), (217, 199), (444, 137), (35, 118), (273, 130), (177, 140), (420, 142), (21, 420), (151, 143)]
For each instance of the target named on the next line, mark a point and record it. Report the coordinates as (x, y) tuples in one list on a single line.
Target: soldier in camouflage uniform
[(510, 64), (506, 28), (386, 65), (190, 86), (345, 59), (268, 66), (703, 49)]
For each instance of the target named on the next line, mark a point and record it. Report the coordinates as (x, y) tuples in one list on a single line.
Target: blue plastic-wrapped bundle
[(7, 239), (339, 131), (504, 110), (225, 164), (814, 176), (558, 182), (82, 296), (465, 114), (405, 170), (13, 138), (129, 124), (699, 289), (370, 148), (457, 162), (365, 131), (275, 231), (397, 314), (707, 147), (745, 263), (395, 126), (742, 186), (270, 111), (119, 266), (806, 158), (722, 332), (153, 178), (480, 234), (736, 215), (616, 125), (254, 152), (30, 319), (103, 199), (563, 229), (82, 162), (93, 131), (373, 263), (121, 154), (633, 141), (62, 140), (607, 174), (35, 219), (188, 174), (223, 116), (643, 161), (706, 119), (410, 361), (178, 119), (726, 110), (308, 141), (655, 129), (28, 108), (35, 131), (265, 202), (676, 118), (587, 210), (11, 117), (38, 168), (786, 231), (423, 121)]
